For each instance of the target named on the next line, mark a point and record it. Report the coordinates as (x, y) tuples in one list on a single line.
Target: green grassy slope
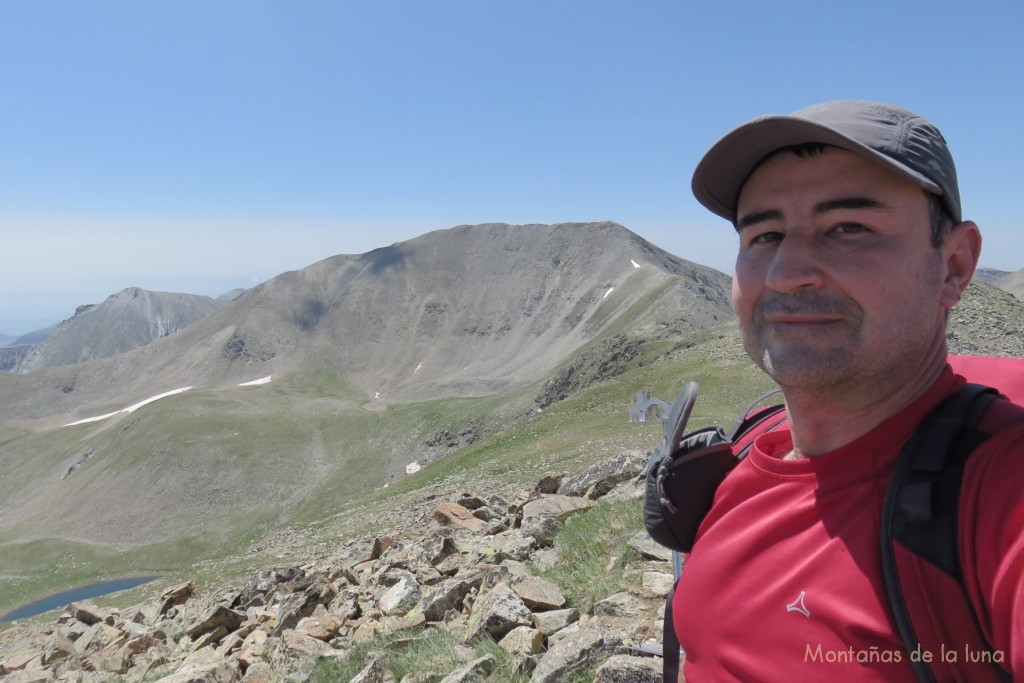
[(301, 456)]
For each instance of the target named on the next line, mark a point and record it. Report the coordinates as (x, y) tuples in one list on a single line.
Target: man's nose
[(795, 265)]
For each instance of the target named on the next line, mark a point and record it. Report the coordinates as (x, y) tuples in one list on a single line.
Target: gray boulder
[(496, 613), (602, 477), (576, 653), (629, 669)]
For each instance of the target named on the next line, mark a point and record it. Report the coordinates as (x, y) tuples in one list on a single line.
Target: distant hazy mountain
[(13, 353), (37, 336), (227, 297), (1012, 283), (989, 275), (131, 318)]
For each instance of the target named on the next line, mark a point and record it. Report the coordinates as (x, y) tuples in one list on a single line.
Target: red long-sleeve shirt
[(785, 582)]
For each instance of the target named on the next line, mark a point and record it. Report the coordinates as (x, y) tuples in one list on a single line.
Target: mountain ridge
[(376, 360), (470, 310)]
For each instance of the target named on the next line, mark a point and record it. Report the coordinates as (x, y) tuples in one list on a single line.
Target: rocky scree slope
[(987, 321), (469, 569)]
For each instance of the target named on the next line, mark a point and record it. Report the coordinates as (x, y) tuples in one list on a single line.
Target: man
[(852, 251)]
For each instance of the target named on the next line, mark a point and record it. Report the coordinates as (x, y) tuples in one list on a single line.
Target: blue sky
[(203, 145)]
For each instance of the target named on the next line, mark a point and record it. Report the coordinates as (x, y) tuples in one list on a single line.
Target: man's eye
[(766, 238), (849, 228)]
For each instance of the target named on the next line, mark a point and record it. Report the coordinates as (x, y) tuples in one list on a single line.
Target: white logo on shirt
[(799, 606)]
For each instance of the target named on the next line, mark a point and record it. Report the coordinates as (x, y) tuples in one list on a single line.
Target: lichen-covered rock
[(453, 514), (178, 595), (557, 507), (400, 598), (623, 605), (474, 672), (648, 549), (447, 596), (555, 620), (302, 604), (497, 612), (542, 529), (88, 613), (217, 617), (523, 640), (539, 594), (575, 653), (657, 583), (629, 669), (602, 477)]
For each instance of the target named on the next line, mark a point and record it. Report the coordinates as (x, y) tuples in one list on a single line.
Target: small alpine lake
[(60, 600)]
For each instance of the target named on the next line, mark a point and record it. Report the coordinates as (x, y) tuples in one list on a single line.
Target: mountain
[(7, 340), (227, 297), (129, 319), (12, 356), (989, 276), (467, 311), (1012, 283), (377, 360), (36, 336)]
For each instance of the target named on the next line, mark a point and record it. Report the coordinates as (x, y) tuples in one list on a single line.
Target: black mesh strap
[(922, 504), (670, 644)]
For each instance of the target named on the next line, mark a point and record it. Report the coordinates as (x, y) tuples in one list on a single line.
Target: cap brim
[(724, 170)]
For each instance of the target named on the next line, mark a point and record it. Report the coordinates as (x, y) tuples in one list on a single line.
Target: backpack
[(919, 525)]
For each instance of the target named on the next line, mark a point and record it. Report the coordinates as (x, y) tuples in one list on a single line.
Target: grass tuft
[(434, 651), (593, 553)]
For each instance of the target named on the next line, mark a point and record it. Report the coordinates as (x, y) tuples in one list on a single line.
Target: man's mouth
[(800, 319)]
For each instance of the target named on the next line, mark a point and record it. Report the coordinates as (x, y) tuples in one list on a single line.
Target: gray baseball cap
[(891, 136)]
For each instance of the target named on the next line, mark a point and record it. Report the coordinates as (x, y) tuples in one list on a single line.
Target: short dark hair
[(939, 217), (941, 221)]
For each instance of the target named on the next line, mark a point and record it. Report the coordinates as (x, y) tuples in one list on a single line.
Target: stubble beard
[(836, 356)]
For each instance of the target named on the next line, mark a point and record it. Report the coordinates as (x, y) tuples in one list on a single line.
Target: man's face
[(836, 280)]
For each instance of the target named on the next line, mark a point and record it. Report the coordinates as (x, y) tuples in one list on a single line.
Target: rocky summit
[(470, 569)]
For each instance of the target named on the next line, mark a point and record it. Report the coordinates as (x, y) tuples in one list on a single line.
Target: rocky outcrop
[(12, 356), (590, 367), (474, 579)]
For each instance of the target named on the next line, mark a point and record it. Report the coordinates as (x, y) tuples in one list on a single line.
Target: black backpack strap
[(670, 643), (775, 416), (922, 504), (750, 418)]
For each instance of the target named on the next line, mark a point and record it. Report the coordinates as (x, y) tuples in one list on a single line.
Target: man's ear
[(960, 250)]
